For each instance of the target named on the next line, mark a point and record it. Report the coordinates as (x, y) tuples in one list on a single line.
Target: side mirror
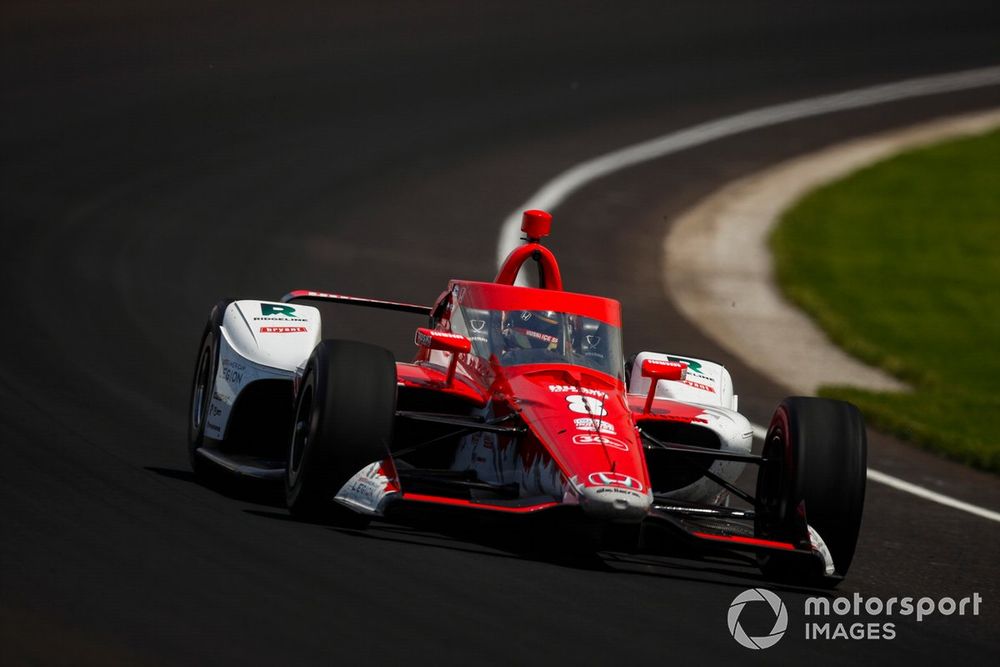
[(445, 342), (657, 370)]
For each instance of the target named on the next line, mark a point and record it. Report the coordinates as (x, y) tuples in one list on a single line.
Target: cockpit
[(518, 336)]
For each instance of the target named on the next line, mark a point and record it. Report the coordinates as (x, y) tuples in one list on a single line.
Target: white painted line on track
[(559, 188), (562, 186), (927, 494), (760, 433)]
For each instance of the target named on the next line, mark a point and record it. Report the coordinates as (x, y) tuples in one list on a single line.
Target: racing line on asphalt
[(558, 189)]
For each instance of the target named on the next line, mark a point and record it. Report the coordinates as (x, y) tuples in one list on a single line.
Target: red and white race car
[(519, 400)]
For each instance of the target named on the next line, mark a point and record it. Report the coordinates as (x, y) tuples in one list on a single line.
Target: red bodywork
[(578, 418), (579, 430), (530, 435)]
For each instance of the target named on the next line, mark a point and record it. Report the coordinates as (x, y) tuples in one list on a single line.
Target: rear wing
[(309, 295)]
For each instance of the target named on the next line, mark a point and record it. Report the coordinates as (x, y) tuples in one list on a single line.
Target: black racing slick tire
[(203, 386), (814, 474), (344, 413)]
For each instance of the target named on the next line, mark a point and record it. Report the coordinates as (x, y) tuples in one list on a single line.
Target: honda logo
[(615, 479)]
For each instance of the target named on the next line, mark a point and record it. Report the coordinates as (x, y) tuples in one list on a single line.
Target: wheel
[(344, 413), (814, 474), (203, 386)]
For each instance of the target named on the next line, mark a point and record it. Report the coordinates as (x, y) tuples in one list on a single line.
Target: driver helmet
[(533, 330)]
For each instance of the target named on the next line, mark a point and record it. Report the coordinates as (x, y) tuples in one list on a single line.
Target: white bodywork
[(707, 383), (259, 340), (368, 491), (709, 386)]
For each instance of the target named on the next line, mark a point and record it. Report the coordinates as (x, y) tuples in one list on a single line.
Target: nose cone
[(586, 426), (615, 497)]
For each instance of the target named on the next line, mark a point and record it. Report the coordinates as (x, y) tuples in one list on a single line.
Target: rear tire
[(202, 388), (344, 414), (815, 474)]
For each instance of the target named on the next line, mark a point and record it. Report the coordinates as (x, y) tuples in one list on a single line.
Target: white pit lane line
[(553, 193)]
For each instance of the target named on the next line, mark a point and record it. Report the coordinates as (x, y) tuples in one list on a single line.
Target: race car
[(519, 400)]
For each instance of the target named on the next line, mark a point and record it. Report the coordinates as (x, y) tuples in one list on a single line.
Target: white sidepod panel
[(709, 386), (707, 382), (260, 340)]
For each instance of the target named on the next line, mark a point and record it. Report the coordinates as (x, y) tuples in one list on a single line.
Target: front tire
[(814, 474), (344, 414), (203, 386)]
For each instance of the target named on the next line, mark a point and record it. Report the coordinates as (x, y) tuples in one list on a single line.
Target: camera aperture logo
[(780, 618), (845, 618)]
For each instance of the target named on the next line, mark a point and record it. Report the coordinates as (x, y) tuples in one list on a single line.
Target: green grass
[(900, 264)]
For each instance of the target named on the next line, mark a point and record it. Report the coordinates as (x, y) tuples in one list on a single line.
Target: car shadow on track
[(521, 538), (538, 539), (269, 493)]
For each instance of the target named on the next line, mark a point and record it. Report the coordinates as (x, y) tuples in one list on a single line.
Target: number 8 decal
[(586, 405)]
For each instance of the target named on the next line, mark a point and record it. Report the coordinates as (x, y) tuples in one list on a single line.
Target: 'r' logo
[(275, 309), (695, 366)]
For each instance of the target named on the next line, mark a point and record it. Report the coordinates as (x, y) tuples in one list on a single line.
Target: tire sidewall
[(350, 387), (204, 379), (814, 475)]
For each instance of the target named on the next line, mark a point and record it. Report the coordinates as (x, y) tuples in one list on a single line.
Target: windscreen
[(517, 337)]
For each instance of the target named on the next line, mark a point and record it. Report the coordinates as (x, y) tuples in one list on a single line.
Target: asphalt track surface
[(156, 158)]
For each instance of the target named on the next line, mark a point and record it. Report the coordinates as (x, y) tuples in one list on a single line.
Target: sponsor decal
[(586, 405), (283, 330), (232, 376), (615, 479), (366, 489), (565, 388), (693, 366), (537, 335), (597, 439), (478, 326), (425, 339), (267, 309), (666, 364), (617, 491), (699, 385), (214, 410), (271, 312), (232, 371), (586, 424)]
